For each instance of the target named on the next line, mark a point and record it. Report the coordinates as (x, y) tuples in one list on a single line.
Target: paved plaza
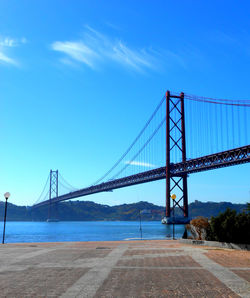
[(157, 268)]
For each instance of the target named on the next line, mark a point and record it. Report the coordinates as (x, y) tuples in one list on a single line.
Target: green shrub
[(230, 227)]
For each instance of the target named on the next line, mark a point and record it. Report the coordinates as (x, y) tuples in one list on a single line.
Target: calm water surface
[(86, 231)]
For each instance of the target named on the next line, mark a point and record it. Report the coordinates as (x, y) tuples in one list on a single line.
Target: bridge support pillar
[(175, 146), (53, 192), (168, 210)]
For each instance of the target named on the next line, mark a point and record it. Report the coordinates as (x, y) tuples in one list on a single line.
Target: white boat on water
[(176, 220), (52, 220), (164, 220)]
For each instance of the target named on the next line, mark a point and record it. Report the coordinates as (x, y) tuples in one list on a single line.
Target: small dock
[(155, 268)]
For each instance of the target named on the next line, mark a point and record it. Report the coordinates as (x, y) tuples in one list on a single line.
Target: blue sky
[(79, 79)]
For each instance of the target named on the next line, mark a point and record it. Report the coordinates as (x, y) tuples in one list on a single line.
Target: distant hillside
[(209, 209), (87, 211)]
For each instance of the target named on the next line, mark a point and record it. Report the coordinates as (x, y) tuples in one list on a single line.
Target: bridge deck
[(214, 161)]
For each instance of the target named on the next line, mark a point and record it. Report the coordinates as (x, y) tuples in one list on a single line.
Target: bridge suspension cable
[(65, 187), (141, 149), (210, 128), (132, 144), (46, 196), (244, 103), (41, 195), (215, 125), (65, 183)]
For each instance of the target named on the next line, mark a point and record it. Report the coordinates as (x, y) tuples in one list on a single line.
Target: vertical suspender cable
[(227, 125), (221, 138), (239, 130), (233, 127)]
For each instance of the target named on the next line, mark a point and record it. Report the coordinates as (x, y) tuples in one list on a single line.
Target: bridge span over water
[(186, 134)]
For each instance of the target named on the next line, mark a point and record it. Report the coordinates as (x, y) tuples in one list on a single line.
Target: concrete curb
[(216, 244)]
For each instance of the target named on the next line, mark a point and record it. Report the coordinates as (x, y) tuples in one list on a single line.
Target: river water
[(17, 232)]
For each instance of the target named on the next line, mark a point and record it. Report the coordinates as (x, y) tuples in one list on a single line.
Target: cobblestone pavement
[(157, 268)]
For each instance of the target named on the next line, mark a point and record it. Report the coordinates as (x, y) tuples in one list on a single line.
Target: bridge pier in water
[(175, 140)]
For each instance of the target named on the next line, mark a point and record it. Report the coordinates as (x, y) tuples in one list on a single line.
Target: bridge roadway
[(214, 161)]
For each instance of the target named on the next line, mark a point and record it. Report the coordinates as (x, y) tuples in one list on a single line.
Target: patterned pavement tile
[(133, 252), (230, 258), (162, 283), (243, 274), (64, 255), (171, 261), (44, 282)]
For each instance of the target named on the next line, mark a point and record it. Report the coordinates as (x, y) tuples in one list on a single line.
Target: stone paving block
[(133, 252), (162, 283), (45, 282), (92, 244), (243, 274), (64, 255), (35, 244), (230, 258), (171, 261), (12, 253), (155, 244)]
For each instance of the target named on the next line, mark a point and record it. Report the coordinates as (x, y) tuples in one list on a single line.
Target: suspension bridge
[(185, 134)]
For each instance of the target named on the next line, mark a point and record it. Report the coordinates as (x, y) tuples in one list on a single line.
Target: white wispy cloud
[(12, 42), (95, 48), (6, 59), (6, 43), (77, 51), (139, 163)]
